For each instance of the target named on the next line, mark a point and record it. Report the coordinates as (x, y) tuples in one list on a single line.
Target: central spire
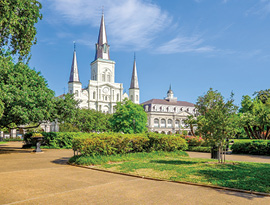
[(102, 47), (74, 73)]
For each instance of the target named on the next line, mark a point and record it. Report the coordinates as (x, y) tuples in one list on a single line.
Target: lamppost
[(134, 125)]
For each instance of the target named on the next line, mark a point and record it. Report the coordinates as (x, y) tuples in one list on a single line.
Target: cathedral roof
[(74, 73), (134, 79), (165, 102)]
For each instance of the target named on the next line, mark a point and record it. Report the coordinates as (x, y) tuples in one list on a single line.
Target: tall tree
[(27, 98), (17, 25), (129, 118), (215, 120), (255, 116)]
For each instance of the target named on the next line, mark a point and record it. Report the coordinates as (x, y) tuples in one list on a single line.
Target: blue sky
[(191, 44)]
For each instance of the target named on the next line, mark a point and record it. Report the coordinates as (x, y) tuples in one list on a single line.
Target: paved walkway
[(30, 178), (234, 157)]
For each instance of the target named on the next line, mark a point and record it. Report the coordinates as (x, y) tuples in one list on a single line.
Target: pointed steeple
[(74, 73), (134, 79), (102, 47)]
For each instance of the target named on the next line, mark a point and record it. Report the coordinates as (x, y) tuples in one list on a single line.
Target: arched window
[(108, 78), (156, 122), (177, 124), (94, 95), (103, 77), (169, 123), (168, 109), (146, 108), (117, 97), (160, 108), (163, 123), (131, 97), (174, 109), (77, 93), (113, 95), (137, 97)]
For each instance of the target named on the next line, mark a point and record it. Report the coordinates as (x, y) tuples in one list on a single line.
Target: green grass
[(176, 166), (3, 142)]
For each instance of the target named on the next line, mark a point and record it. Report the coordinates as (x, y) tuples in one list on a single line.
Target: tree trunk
[(251, 131), (247, 132), (267, 132), (192, 131)]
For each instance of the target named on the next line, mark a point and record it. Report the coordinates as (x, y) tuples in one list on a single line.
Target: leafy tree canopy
[(263, 95), (86, 120), (215, 121), (27, 98), (255, 116), (17, 25), (129, 118)]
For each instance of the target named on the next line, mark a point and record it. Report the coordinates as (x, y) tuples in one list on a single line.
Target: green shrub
[(259, 147), (55, 139), (116, 143)]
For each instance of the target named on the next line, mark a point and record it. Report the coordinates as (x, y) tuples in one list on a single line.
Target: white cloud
[(130, 22), (262, 8), (184, 45)]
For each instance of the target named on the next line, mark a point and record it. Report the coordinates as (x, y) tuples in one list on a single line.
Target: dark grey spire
[(74, 73), (134, 79), (102, 47)]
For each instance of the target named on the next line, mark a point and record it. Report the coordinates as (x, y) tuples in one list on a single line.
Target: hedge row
[(55, 139), (109, 143), (116, 143), (259, 147)]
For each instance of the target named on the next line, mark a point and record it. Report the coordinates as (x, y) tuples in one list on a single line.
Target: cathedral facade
[(102, 92)]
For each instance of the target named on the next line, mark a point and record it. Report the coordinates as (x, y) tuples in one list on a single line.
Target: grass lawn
[(177, 166), (3, 142)]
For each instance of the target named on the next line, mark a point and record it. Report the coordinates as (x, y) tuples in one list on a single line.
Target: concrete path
[(30, 178), (234, 157)]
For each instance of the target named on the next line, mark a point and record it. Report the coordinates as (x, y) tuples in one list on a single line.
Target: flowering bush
[(194, 141)]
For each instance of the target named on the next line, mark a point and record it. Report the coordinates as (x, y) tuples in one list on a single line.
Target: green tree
[(17, 25), (215, 120), (66, 108), (263, 95), (192, 122), (255, 116), (87, 120), (129, 118), (1, 106), (27, 98)]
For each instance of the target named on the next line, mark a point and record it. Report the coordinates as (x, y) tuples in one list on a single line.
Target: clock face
[(105, 90)]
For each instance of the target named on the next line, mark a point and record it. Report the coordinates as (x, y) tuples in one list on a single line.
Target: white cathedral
[(102, 92)]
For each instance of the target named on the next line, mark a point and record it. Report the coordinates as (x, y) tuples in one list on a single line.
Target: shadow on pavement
[(242, 195), (62, 161), (4, 149)]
